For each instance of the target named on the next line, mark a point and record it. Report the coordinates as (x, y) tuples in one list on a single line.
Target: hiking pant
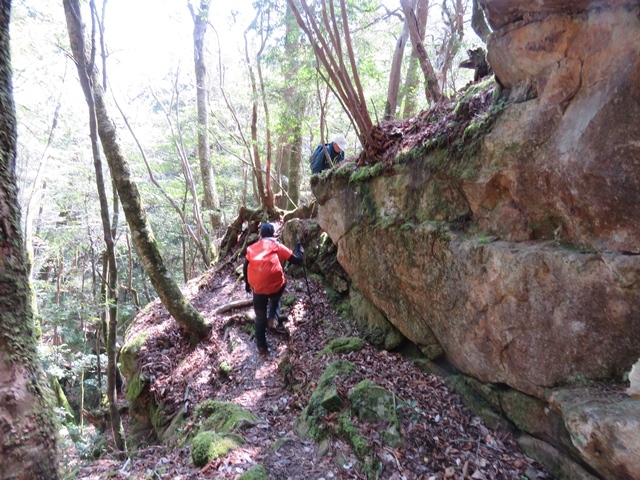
[(265, 306)]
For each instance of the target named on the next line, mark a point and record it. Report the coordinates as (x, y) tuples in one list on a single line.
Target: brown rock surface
[(572, 161), (503, 12), (604, 426)]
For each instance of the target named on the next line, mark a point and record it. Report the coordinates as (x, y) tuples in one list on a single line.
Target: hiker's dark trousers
[(265, 306)]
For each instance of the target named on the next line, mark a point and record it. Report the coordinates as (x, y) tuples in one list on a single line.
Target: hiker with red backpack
[(263, 273)]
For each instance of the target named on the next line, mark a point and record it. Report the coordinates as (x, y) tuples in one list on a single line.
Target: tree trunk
[(85, 73), (432, 90), (410, 89), (290, 142), (170, 295), (479, 23), (28, 430), (396, 70), (211, 202)]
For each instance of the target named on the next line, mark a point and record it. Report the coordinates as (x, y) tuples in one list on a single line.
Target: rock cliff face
[(522, 268)]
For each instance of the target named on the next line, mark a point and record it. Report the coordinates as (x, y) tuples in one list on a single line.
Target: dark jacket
[(319, 161)]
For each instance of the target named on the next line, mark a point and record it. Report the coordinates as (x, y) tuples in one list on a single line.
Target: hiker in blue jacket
[(328, 155)]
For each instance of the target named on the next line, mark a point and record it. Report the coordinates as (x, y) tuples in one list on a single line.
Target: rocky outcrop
[(604, 426), (573, 168), (518, 260)]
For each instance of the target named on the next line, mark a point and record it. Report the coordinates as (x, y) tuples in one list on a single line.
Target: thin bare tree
[(330, 37), (210, 202), (432, 90), (147, 248), (396, 70)]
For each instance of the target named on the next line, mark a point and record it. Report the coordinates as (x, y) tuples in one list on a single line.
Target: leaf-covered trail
[(441, 438)]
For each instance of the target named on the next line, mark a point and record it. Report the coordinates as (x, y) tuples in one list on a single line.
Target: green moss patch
[(128, 354), (375, 404), (257, 472), (136, 386), (325, 398), (224, 417), (343, 345), (207, 446)]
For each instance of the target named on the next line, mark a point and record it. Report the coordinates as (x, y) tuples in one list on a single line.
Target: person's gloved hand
[(299, 249), (247, 288)]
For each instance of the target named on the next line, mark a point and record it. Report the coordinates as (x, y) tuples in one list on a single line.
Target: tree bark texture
[(211, 202), (28, 447), (170, 295)]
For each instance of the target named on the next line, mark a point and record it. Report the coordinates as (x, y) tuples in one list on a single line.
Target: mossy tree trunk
[(28, 447), (85, 69), (147, 247)]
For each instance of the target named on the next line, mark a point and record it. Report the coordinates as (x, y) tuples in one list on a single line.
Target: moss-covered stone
[(288, 299), (371, 465), (136, 386), (257, 472), (372, 324), (343, 345), (325, 395), (128, 354), (224, 417), (375, 404), (207, 446), (478, 404)]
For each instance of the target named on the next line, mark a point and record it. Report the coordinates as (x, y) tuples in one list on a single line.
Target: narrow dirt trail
[(441, 438)]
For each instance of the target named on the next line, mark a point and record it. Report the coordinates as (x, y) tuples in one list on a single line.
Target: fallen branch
[(232, 305)]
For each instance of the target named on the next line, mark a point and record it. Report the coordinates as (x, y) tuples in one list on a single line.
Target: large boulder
[(501, 13), (567, 162), (530, 315)]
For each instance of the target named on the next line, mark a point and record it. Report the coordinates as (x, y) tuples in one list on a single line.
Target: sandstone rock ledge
[(522, 268)]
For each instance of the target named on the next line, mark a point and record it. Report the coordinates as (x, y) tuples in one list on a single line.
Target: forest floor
[(441, 438)]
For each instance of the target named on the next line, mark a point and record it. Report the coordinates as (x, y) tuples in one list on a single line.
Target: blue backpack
[(317, 159)]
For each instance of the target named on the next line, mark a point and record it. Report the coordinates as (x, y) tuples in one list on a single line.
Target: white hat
[(342, 143)]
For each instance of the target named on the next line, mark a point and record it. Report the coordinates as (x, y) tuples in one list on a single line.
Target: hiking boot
[(280, 328), (271, 323), (263, 351)]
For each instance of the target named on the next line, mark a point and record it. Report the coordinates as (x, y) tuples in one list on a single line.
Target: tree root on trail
[(232, 305)]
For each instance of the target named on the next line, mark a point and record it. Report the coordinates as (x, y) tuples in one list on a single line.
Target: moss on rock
[(224, 417), (129, 352), (207, 446), (324, 397), (257, 472), (136, 386), (343, 345), (375, 404), (372, 323)]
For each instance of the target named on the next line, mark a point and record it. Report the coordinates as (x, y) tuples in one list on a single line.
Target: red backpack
[(265, 273)]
